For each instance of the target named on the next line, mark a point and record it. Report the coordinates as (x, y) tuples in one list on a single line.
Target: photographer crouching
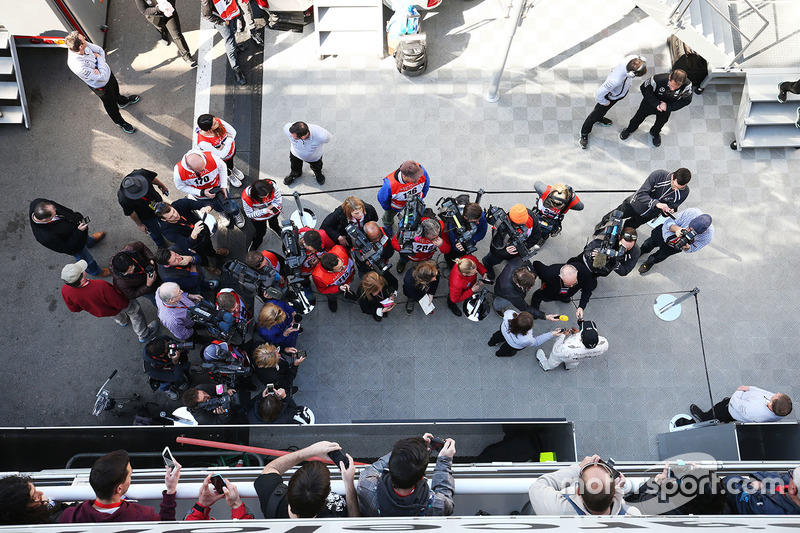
[(167, 362), (210, 407)]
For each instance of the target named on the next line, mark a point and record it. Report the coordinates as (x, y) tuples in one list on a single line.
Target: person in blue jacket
[(763, 493)]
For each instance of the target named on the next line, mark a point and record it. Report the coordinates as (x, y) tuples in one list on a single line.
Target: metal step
[(6, 66), (763, 87), (12, 115), (772, 113), (724, 39), (8, 90), (707, 19), (4, 38), (771, 136)]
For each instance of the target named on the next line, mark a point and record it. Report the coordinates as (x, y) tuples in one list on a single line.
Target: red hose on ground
[(243, 448)]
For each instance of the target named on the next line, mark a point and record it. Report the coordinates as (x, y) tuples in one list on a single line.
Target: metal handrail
[(676, 19)]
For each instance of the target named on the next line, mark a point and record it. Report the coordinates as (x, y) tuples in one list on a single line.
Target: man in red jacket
[(99, 298), (333, 275), (424, 245), (110, 479)]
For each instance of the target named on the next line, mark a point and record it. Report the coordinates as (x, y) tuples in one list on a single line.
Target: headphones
[(639, 71)]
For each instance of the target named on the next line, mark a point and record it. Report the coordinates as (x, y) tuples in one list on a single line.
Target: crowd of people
[(396, 486)]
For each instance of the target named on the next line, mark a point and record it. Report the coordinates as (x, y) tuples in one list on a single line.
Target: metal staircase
[(764, 122), (13, 104)]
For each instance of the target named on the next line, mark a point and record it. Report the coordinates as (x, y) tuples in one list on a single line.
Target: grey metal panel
[(717, 441), (91, 16)]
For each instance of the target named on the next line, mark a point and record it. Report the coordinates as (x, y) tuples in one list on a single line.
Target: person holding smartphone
[(279, 324), (270, 366), (213, 489), (376, 295)]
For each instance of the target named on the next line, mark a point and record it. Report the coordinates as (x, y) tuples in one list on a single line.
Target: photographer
[(229, 301), (167, 365), (333, 275), (573, 347), (272, 367), (195, 397), (420, 282), (182, 225), (513, 284), (598, 491), (476, 218), (516, 333), (177, 266), (410, 179), (464, 281), (395, 484), (553, 204), (316, 244), (671, 237), (262, 204), (424, 245), (622, 265), (274, 408), (352, 211), (172, 305), (134, 271), (501, 247), (279, 324), (376, 295), (376, 235)]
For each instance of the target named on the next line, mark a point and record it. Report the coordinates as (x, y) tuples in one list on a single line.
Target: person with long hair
[(21, 503), (516, 333), (278, 324), (376, 295), (352, 211), (464, 281), (419, 282)]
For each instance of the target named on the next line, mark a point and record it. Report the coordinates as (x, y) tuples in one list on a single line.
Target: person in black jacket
[(184, 268), (501, 247), (64, 231), (373, 291), (165, 19), (513, 284), (663, 94), (137, 195), (420, 281), (270, 366), (274, 408), (181, 224), (352, 211), (195, 396), (560, 282), (622, 265), (169, 367)]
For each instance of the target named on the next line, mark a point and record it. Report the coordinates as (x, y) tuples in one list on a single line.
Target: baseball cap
[(72, 272), (518, 214), (589, 336), (134, 186), (700, 223)]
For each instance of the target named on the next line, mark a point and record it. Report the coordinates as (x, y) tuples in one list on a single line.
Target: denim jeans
[(228, 37), (93, 268), (154, 230)]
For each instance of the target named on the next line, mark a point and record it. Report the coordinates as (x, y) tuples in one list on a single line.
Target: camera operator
[(410, 179), (622, 265), (553, 204), (375, 234), (279, 324), (264, 262), (182, 225), (134, 271), (376, 295), (670, 237), (424, 245), (501, 247), (598, 491), (172, 305), (573, 347), (195, 397), (229, 301), (167, 365), (274, 408), (464, 282), (333, 275), (352, 211), (420, 282), (560, 282), (662, 192), (183, 268), (272, 367), (513, 284), (316, 244), (476, 218), (395, 484)]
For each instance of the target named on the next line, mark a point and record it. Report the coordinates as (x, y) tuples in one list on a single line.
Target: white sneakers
[(235, 177)]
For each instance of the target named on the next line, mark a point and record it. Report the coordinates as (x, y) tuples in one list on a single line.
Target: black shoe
[(645, 267), (401, 266), (454, 308), (377, 318), (131, 100), (605, 121), (127, 128), (333, 305), (190, 60), (492, 344), (410, 307), (490, 275), (320, 178), (290, 178), (257, 38), (584, 141), (656, 139), (697, 413), (240, 77), (797, 122), (781, 94), (624, 134)]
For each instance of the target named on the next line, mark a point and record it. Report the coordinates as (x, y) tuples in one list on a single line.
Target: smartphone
[(610, 465), (300, 354), (85, 220), (218, 483), (270, 388), (437, 444), (339, 456), (295, 325), (169, 461)]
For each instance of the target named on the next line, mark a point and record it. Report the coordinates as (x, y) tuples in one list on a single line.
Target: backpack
[(411, 56)]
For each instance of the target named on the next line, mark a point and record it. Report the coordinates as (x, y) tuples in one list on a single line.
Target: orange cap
[(518, 214)]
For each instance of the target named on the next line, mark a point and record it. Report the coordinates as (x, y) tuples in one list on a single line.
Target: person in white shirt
[(516, 333), (614, 89), (88, 62), (747, 404), (307, 141), (573, 348)]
